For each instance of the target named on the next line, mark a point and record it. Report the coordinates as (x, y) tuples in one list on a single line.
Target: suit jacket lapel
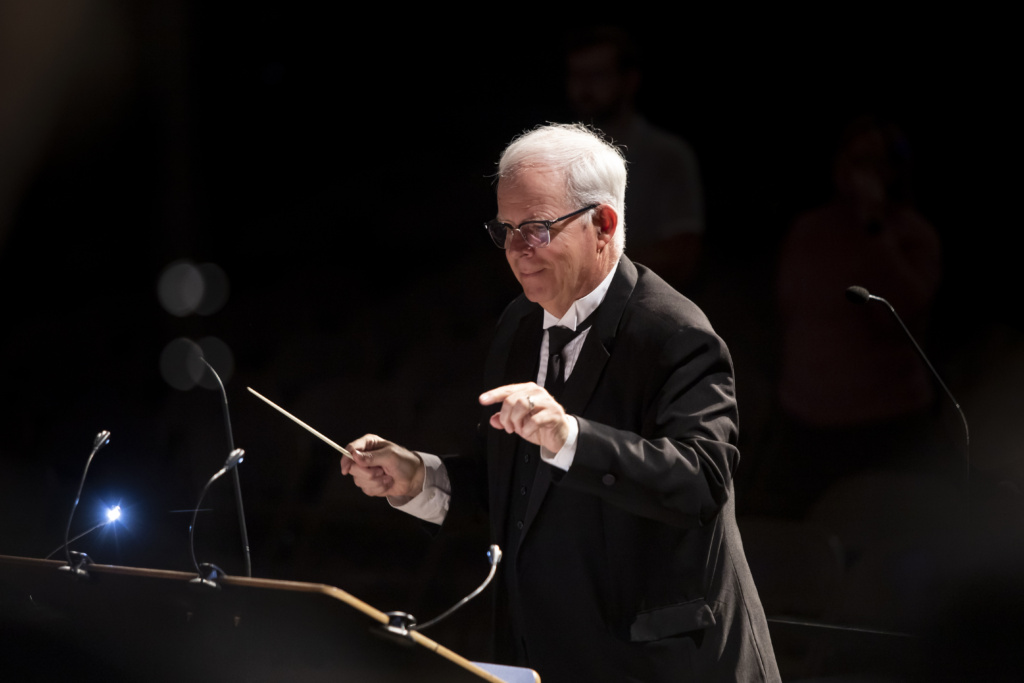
[(600, 340)]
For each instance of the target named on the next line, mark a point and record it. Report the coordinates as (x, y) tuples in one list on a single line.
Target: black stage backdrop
[(337, 171)]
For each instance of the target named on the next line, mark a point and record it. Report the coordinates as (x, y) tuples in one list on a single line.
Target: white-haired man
[(607, 467)]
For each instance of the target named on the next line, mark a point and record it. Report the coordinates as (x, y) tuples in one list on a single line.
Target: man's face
[(863, 171), (596, 86), (568, 268)]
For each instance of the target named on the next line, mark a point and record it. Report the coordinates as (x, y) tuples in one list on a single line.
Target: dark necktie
[(558, 337)]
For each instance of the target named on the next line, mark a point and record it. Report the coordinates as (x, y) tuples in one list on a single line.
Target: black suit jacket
[(630, 566)]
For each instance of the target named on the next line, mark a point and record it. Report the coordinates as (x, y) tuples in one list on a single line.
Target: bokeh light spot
[(180, 288), (218, 354), (215, 288), (180, 365)]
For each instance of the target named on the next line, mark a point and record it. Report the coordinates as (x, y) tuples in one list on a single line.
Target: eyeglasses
[(535, 233)]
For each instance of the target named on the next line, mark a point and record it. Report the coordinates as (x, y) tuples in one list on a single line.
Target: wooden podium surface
[(129, 624)]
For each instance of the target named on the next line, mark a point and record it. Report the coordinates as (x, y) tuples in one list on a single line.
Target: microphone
[(860, 295), (237, 481), (494, 557), (101, 440), (213, 571)]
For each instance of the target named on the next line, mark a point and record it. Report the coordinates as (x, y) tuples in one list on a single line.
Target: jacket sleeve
[(671, 454)]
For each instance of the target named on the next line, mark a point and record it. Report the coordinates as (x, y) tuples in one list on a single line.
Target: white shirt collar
[(582, 308)]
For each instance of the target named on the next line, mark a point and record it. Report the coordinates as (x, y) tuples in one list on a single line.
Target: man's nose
[(517, 242)]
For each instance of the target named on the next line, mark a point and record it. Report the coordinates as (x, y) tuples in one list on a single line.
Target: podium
[(133, 624)]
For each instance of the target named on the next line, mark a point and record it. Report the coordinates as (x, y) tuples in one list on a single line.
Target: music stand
[(154, 625)]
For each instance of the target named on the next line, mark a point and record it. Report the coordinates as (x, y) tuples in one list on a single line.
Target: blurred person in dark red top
[(852, 385)]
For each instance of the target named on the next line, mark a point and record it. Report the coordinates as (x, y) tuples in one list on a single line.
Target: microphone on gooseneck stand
[(859, 295), (400, 623), (237, 481), (494, 558), (80, 559), (213, 572)]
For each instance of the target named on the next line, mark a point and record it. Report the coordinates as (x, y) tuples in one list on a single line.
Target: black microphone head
[(101, 439), (857, 295)]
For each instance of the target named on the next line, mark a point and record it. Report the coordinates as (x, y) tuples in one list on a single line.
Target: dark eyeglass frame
[(537, 234)]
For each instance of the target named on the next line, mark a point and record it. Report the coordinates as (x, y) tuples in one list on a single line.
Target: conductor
[(608, 450)]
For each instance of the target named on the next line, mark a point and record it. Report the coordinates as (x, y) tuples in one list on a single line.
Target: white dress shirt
[(432, 503)]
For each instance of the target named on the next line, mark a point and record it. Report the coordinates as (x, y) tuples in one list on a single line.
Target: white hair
[(594, 170)]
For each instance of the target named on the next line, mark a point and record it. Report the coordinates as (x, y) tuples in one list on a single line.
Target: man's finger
[(501, 393), (367, 442), (373, 481), (515, 410), (359, 461)]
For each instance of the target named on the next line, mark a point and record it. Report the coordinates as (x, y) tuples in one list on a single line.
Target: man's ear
[(606, 218)]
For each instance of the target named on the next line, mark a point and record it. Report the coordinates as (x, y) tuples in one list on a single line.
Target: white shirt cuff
[(431, 505), (564, 457)]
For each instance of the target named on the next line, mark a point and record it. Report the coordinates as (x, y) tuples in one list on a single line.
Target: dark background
[(337, 169)]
